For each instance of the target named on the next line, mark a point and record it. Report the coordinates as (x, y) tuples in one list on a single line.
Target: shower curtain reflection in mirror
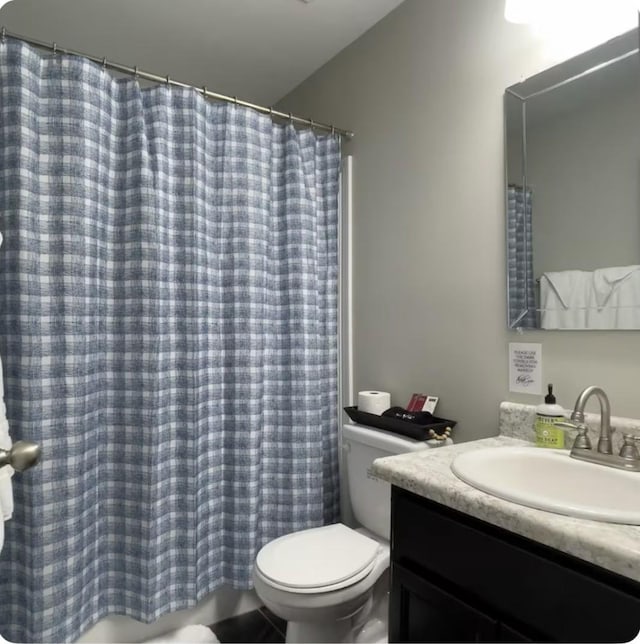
[(521, 282)]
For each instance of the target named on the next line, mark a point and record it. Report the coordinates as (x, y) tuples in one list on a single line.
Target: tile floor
[(260, 626)]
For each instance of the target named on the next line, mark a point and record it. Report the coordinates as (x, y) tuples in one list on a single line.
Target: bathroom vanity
[(459, 579), (468, 566)]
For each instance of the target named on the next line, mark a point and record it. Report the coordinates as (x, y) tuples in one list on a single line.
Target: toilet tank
[(370, 496)]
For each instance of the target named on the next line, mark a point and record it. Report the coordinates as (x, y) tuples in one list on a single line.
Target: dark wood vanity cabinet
[(455, 578)]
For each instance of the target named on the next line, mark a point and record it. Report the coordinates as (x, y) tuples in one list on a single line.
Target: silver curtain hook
[(135, 72), (235, 100), (290, 117), (204, 91), (55, 48), (333, 129), (312, 124), (3, 35), (104, 63), (168, 80)]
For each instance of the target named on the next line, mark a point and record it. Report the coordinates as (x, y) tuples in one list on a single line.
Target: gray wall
[(423, 92), (583, 168)]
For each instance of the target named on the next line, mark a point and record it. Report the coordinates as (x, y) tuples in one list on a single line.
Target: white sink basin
[(550, 480)]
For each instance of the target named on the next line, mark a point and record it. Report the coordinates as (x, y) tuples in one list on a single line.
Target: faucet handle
[(582, 441), (629, 449), (566, 424)]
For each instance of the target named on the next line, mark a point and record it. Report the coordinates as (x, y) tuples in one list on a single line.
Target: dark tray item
[(416, 431)]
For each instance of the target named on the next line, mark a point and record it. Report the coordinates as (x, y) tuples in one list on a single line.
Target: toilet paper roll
[(374, 402)]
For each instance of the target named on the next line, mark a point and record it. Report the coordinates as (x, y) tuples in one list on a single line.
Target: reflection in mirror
[(573, 192)]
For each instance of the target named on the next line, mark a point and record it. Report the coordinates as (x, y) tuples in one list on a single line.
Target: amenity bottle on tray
[(547, 415)]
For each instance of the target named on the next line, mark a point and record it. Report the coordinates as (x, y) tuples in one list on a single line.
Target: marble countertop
[(427, 473)]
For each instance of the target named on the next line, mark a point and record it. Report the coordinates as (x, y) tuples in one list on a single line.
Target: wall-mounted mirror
[(573, 192)]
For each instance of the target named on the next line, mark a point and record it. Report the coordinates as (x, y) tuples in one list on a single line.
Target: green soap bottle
[(547, 433)]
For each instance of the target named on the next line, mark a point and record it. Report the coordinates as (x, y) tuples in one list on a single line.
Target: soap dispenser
[(547, 415)]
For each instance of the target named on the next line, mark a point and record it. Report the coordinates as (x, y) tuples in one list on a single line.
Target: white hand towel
[(608, 280), (564, 297), (569, 287), (622, 307), (6, 489)]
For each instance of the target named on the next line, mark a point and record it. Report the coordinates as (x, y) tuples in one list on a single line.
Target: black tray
[(412, 430)]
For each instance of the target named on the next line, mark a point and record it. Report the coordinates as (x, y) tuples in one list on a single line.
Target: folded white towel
[(564, 298), (570, 287), (608, 280), (622, 307)]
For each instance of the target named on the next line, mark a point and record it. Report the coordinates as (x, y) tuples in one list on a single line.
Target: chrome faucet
[(629, 458), (604, 442)]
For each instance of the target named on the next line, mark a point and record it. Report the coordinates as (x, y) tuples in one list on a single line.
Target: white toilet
[(331, 583)]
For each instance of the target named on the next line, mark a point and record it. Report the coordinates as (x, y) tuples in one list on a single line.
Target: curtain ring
[(333, 129), (55, 48), (3, 35), (104, 63), (235, 100), (168, 80), (312, 123), (204, 91), (135, 73), (290, 117)]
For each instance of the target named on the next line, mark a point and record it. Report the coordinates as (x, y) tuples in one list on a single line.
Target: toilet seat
[(317, 560)]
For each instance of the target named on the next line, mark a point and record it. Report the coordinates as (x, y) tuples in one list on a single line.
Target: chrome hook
[(204, 91), (104, 63), (168, 80), (136, 75), (3, 35), (55, 49)]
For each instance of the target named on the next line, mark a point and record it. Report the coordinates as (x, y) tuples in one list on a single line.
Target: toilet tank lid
[(382, 439)]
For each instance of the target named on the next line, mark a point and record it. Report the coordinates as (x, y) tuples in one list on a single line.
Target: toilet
[(331, 583)]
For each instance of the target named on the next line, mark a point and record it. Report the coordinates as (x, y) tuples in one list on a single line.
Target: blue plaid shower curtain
[(168, 327)]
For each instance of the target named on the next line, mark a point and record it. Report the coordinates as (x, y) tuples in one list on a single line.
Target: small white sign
[(525, 368)]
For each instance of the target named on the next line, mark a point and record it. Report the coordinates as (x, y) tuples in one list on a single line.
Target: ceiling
[(258, 50)]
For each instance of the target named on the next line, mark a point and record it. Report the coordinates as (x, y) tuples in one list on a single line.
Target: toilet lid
[(318, 557)]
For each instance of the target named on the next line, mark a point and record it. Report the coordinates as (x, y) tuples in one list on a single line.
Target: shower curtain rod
[(138, 73)]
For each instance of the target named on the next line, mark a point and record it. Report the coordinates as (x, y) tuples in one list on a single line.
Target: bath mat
[(195, 633)]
